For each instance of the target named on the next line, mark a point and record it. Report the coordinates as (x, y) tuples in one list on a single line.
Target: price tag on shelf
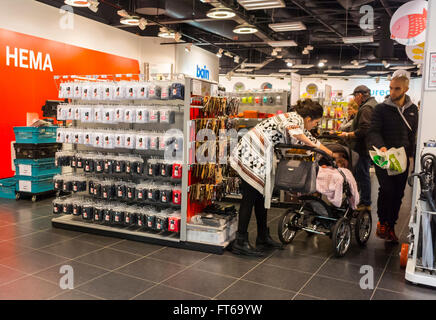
[(128, 75), (25, 186), (196, 87), (65, 77), (56, 77), (25, 170), (118, 76)]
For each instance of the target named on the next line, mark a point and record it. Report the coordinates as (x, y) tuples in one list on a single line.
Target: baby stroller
[(311, 212)]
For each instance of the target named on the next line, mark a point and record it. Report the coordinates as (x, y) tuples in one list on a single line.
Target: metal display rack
[(192, 88)]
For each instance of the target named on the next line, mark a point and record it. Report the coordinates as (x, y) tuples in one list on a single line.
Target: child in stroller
[(313, 213)]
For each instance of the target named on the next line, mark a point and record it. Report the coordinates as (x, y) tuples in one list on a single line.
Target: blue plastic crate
[(35, 135), (36, 167), (35, 184), (8, 187)]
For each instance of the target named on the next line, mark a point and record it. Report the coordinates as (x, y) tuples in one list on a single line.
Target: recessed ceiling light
[(352, 66), (288, 70), (402, 67), (77, 3), (321, 64), (287, 26), (221, 13), (132, 21), (303, 66), (245, 28), (289, 64), (377, 72), (362, 39), (334, 71), (261, 4), (285, 43), (359, 76)]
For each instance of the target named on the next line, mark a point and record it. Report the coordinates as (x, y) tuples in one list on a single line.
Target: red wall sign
[(27, 66)]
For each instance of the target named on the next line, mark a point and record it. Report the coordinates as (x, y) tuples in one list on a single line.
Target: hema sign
[(202, 73)]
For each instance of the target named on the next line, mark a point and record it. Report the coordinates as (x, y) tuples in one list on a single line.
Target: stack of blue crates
[(35, 175)]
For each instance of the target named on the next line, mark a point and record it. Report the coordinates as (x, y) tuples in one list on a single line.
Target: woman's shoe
[(268, 242), (243, 247)]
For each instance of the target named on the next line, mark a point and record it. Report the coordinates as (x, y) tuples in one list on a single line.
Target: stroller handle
[(304, 147)]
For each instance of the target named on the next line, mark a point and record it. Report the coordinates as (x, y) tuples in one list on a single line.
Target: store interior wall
[(378, 90), (256, 83)]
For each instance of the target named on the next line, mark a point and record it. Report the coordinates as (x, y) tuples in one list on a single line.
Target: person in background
[(252, 159), (358, 132), (393, 124), (352, 109)]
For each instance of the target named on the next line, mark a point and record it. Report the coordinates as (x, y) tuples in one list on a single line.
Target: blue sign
[(202, 73), (381, 93)]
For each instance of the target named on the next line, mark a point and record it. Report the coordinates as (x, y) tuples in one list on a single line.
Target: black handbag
[(296, 176)]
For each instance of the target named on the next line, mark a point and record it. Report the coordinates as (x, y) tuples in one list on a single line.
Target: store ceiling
[(327, 22)]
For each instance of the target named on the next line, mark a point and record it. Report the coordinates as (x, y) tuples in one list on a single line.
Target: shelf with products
[(120, 144)]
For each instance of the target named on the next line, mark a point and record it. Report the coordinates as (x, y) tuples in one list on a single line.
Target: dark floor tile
[(150, 269), (108, 258), (394, 265), (71, 248), (74, 295), (244, 290), (115, 286), (317, 246), (335, 289), (203, 283), (98, 240), (342, 270), (135, 247), (278, 277), (225, 265), (304, 297), (82, 272), (7, 275), (162, 292), (179, 256), (242, 258), (397, 282), (19, 215), (381, 294), (291, 260), (39, 240), (38, 224), (14, 231), (31, 262), (10, 248), (64, 233), (365, 256), (29, 288)]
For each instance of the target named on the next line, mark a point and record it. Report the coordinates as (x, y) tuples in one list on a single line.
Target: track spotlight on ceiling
[(188, 47), (305, 51), (91, 4), (177, 36), (165, 33), (142, 24), (289, 64), (220, 53), (322, 63), (228, 54), (236, 59)]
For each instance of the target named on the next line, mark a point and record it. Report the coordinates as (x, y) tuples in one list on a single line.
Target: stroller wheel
[(287, 228), (362, 228), (341, 237)]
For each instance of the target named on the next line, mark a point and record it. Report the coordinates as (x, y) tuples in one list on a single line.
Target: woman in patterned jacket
[(253, 157)]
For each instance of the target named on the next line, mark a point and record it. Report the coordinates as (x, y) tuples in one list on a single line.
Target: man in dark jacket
[(393, 124), (358, 132)]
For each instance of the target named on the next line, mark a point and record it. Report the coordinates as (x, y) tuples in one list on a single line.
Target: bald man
[(393, 124)]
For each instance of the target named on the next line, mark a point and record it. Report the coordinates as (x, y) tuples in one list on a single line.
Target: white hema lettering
[(367, 281), (67, 281), (367, 21), (27, 59), (66, 21)]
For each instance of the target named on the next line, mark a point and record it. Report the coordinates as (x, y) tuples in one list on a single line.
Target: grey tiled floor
[(32, 252)]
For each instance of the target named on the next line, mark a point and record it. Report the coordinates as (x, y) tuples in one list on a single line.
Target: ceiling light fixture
[(288, 70), (289, 64), (309, 47), (360, 39), (236, 59), (245, 70), (77, 3), (274, 53), (142, 24), (131, 21), (245, 28), (188, 47), (287, 26), (253, 65), (219, 54), (352, 66), (303, 66), (334, 71), (93, 5), (220, 13), (284, 43), (386, 64), (305, 51), (228, 54), (165, 33), (321, 64), (261, 4)]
